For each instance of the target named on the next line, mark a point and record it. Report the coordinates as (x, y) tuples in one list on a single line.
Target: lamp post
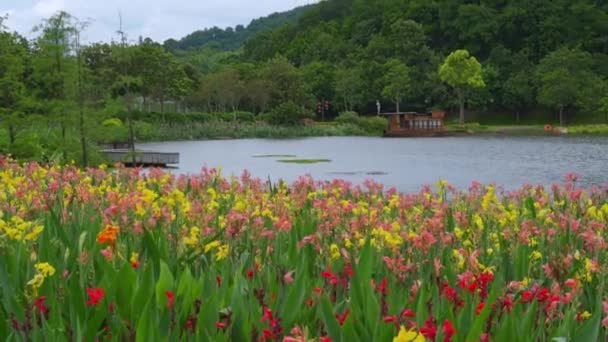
[(323, 107)]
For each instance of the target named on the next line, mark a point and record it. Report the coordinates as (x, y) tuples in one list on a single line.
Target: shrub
[(348, 118), (289, 114)]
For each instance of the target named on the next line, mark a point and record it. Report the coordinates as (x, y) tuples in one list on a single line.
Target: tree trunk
[(11, 134), (397, 105), (81, 128), (561, 116), (144, 104), (461, 120)]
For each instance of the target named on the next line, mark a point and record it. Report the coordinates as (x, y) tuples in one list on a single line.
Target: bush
[(238, 116), (289, 114), (348, 118), (371, 125)]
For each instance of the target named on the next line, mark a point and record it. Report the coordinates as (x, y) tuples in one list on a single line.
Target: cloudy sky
[(157, 19)]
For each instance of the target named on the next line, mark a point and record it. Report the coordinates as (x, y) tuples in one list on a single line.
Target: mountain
[(233, 38)]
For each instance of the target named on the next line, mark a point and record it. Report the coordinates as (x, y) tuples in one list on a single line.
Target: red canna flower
[(382, 287), (479, 308), (317, 290), (95, 295), (331, 278), (309, 302), (348, 269), (408, 313), (527, 296), (389, 319), (342, 318), (429, 330), (170, 299), (250, 273), (507, 303), (448, 331), (218, 280), (267, 334), (324, 339), (39, 304), (266, 315), (220, 325), (542, 294), (111, 307)]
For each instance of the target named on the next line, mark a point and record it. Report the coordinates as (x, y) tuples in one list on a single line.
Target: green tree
[(320, 82), (462, 73), (518, 92), (13, 95), (53, 67), (564, 77), (396, 81), (349, 86)]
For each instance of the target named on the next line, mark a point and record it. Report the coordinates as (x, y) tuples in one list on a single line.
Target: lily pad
[(304, 161)]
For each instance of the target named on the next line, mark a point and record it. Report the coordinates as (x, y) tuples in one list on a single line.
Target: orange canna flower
[(108, 235)]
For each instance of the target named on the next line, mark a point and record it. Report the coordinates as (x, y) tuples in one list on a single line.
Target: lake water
[(406, 164)]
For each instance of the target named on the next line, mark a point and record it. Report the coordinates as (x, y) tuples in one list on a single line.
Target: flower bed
[(119, 255)]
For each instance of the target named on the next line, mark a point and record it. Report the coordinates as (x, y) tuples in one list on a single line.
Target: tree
[(13, 94), (564, 77), (462, 73), (349, 86), (396, 81), (320, 79), (258, 92), (53, 68), (518, 92), (285, 82)]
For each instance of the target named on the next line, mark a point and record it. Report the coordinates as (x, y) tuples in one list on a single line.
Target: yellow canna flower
[(222, 252), (211, 245), (334, 251), (408, 336), (45, 269)]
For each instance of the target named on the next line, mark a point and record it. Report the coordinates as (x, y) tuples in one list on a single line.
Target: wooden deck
[(142, 158)]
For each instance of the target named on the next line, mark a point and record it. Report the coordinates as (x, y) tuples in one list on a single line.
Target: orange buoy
[(548, 128)]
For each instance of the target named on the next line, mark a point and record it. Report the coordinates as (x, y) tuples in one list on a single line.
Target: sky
[(157, 19)]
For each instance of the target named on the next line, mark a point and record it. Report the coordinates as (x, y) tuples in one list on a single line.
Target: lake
[(406, 164)]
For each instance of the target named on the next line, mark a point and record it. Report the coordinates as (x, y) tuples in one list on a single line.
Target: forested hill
[(509, 37), (233, 38)]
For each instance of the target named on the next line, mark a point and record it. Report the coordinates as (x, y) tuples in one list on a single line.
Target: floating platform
[(142, 158)]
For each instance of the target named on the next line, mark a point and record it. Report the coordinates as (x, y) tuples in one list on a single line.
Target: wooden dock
[(142, 158)]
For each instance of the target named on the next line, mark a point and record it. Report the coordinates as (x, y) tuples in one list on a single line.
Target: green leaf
[(331, 323), (164, 284)]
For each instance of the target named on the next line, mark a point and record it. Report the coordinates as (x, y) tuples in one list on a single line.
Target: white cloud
[(157, 19), (46, 8)]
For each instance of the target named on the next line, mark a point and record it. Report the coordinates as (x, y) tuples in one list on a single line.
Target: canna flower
[(134, 260), (334, 251), (406, 335), (342, 317), (108, 235), (45, 269), (222, 252), (448, 330), (170, 299), (211, 245), (95, 295)]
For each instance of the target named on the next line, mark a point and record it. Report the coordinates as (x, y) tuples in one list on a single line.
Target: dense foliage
[(119, 255), (233, 38), (501, 61)]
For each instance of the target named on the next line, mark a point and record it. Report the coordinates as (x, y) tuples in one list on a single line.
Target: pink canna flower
[(288, 277)]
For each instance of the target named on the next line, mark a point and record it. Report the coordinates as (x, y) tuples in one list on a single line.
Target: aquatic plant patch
[(304, 161), (118, 255)]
